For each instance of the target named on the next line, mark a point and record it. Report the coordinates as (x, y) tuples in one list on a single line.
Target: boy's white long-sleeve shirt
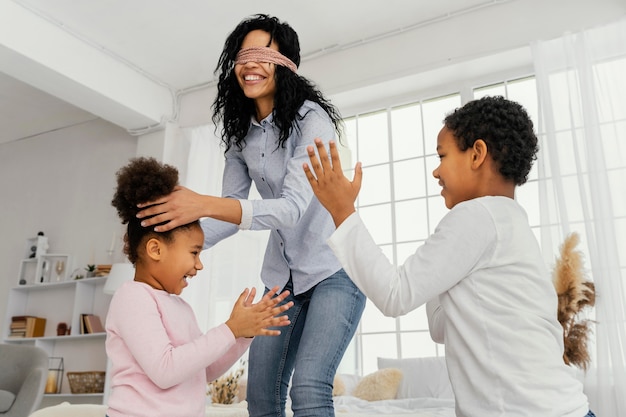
[(504, 345), (161, 361)]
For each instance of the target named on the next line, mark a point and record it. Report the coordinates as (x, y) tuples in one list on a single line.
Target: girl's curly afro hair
[(505, 127), (143, 179)]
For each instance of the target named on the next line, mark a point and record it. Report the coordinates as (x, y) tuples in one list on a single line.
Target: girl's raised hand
[(248, 319), (336, 193)]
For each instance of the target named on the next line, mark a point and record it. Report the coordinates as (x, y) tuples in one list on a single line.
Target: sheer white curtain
[(582, 181), (231, 265)]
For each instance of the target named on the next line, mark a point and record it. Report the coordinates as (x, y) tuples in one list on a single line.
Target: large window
[(400, 203)]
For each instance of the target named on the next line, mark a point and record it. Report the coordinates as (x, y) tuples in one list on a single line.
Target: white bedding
[(348, 406)]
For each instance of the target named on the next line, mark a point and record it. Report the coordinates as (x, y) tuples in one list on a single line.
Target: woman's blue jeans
[(323, 321)]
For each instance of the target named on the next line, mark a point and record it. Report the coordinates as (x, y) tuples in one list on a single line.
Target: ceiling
[(64, 62)]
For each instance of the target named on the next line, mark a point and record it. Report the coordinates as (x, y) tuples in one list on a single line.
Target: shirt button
[(263, 179), (262, 154)]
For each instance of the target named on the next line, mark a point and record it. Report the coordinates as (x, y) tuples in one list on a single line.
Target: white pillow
[(423, 377)]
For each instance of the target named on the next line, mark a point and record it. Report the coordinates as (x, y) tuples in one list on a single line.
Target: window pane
[(617, 179), (490, 90), (406, 131), (409, 179), (612, 106), (376, 185), (404, 250), (377, 219), (527, 196), (436, 210), (432, 183), (375, 346), (350, 137), (614, 145), (411, 220), (620, 234), (417, 345), (373, 321), (434, 112), (373, 143), (564, 90), (524, 91), (415, 320)]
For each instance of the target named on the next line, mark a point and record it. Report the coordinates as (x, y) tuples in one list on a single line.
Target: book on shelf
[(90, 323), (35, 326), (27, 326)]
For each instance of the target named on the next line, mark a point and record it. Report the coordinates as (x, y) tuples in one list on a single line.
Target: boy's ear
[(479, 153), (153, 248)]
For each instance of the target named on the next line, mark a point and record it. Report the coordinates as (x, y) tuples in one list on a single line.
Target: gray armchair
[(23, 372)]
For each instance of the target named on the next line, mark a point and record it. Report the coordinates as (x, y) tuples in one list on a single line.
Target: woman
[(269, 115)]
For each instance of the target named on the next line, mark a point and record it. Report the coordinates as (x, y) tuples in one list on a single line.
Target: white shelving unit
[(64, 301)]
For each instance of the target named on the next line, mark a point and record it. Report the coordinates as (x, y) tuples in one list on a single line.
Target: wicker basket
[(86, 382)]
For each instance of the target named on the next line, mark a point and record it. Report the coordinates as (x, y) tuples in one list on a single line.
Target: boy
[(490, 296)]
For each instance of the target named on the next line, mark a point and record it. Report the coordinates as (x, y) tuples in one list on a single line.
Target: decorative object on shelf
[(89, 382), (91, 271), (225, 388), (62, 329), (36, 246), (55, 375), (39, 270), (118, 274), (59, 267), (44, 273)]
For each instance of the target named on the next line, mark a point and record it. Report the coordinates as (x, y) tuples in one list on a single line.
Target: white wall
[(61, 183)]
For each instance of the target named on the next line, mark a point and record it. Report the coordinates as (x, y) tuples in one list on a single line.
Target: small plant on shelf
[(225, 388), (91, 270)]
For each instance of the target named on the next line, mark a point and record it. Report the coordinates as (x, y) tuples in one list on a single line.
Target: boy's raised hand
[(248, 319), (336, 193)]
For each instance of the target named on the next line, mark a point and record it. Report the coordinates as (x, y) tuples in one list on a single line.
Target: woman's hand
[(184, 206), (181, 207), (248, 319), (336, 193)]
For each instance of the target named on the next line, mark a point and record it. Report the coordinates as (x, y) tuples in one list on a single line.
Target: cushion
[(339, 388), (423, 377), (380, 385), (6, 400), (66, 409)]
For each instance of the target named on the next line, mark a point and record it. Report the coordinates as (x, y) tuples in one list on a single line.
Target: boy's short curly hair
[(505, 127)]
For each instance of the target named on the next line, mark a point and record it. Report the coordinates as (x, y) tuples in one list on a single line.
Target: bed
[(412, 387)]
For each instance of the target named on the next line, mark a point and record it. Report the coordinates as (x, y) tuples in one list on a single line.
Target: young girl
[(490, 296), (161, 361), (269, 115)]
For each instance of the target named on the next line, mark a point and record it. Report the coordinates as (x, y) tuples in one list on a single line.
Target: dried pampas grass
[(576, 294)]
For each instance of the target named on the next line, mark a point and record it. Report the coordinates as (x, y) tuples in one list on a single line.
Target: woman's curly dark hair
[(141, 180), (234, 109), (505, 127)]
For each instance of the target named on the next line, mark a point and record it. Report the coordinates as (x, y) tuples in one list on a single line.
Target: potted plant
[(91, 271)]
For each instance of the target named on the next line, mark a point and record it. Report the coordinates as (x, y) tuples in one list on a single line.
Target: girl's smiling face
[(180, 259)]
